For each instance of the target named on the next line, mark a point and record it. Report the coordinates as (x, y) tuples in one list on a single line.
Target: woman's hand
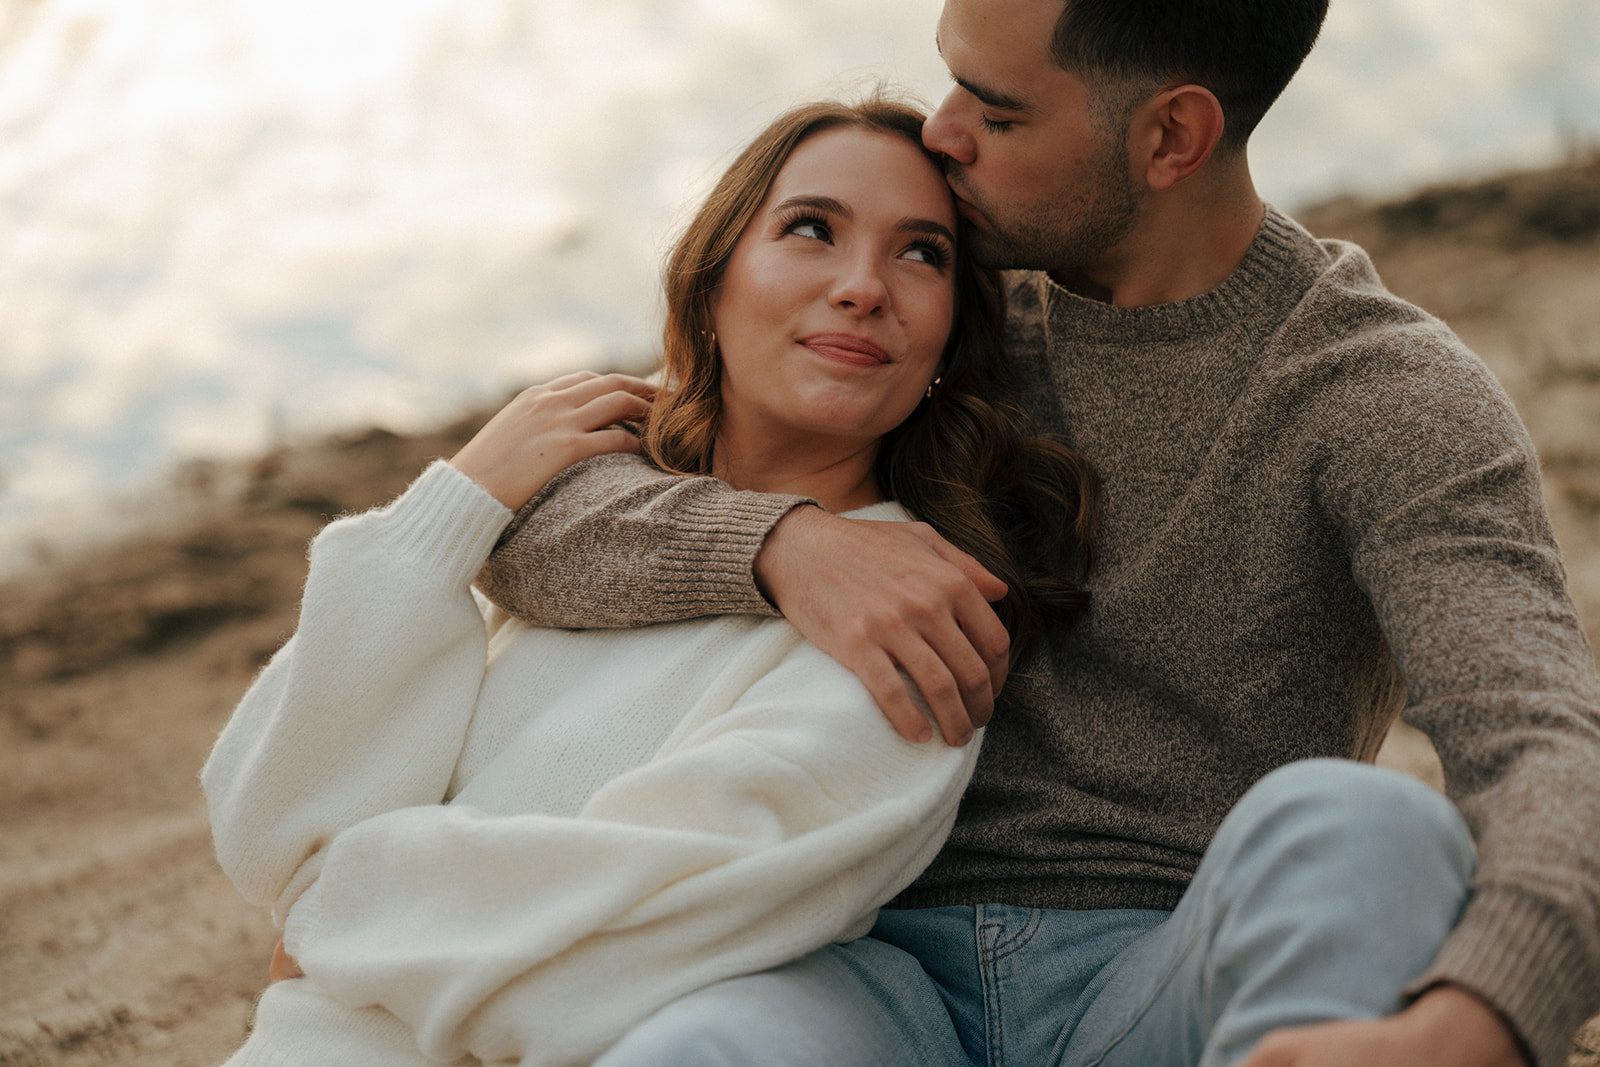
[(283, 965), (548, 428)]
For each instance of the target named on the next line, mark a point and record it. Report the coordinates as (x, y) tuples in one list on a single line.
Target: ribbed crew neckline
[(1279, 266)]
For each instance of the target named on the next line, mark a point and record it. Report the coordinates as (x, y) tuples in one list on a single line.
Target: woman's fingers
[(584, 386), (546, 428), (611, 408), (283, 965)]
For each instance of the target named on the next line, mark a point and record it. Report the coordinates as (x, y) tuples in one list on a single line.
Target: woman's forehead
[(865, 168)]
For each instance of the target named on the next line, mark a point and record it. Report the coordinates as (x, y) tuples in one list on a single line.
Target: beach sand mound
[(120, 940)]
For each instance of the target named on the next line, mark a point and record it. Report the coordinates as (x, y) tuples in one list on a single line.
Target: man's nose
[(943, 131)]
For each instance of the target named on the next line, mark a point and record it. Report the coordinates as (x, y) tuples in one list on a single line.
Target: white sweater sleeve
[(780, 814), (364, 710)]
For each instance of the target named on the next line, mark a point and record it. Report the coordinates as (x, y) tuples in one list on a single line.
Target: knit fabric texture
[(511, 844), (1320, 509)]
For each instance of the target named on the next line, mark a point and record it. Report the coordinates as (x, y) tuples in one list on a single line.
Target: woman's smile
[(845, 348)]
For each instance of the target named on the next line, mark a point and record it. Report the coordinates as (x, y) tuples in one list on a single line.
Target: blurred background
[(230, 223)]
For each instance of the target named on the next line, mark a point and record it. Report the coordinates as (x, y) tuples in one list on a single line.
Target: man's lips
[(846, 348)]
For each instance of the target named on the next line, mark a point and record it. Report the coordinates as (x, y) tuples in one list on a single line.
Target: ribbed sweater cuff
[(444, 525), (296, 1026), (708, 565), (1521, 955), (301, 923)]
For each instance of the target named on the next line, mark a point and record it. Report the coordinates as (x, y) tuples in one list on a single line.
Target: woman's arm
[(365, 709), (778, 816)]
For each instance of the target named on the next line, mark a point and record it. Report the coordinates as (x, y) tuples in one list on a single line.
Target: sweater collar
[(1279, 267)]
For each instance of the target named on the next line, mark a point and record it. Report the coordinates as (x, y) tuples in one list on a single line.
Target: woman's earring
[(929, 393), (711, 339)]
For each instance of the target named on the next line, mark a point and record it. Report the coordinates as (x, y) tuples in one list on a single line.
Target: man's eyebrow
[(990, 97)]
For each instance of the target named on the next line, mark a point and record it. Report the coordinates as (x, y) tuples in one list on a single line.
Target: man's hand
[(1446, 1027), (880, 595)]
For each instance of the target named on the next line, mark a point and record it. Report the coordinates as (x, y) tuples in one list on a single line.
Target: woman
[(505, 843)]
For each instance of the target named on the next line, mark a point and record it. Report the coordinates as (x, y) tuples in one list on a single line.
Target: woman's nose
[(942, 131), (860, 288)]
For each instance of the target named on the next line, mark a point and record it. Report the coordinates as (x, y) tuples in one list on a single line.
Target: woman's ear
[(1174, 133)]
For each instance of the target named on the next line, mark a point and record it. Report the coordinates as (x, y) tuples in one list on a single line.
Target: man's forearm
[(614, 542)]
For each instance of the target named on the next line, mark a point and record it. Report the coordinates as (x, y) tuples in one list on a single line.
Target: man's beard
[(1070, 235)]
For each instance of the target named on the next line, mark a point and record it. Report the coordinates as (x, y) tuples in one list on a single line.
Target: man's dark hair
[(1244, 51)]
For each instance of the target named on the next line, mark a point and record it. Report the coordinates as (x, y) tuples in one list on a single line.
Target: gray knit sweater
[(1319, 507)]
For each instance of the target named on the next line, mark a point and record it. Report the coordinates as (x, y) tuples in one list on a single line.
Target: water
[(229, 222)]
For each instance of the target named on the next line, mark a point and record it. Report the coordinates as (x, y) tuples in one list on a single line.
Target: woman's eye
[(815, 229), (931, 254)]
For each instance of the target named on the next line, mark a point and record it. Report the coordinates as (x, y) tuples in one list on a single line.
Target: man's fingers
[(968, 670), (888, 691), (927, 670), (990, 642), (988, 586)]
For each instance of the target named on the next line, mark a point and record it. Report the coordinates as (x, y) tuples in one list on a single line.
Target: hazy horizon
[(234, 220)]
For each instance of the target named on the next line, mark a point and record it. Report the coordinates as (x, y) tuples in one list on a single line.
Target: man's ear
[(1174, 133)]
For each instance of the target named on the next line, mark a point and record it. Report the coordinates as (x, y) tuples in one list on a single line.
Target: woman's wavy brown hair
[(965, 461)]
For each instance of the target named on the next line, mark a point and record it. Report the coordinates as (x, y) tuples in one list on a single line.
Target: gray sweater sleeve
[(1438, 488), (613, 541)]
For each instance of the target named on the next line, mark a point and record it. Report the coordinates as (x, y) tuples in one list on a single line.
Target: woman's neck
[(839, 476)]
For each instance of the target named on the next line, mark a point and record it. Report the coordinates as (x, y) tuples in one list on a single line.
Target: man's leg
[(863, 1004), (1329, 887)]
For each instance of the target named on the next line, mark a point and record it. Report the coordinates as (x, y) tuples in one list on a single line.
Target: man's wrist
[(768, 568), (1455, 1014)]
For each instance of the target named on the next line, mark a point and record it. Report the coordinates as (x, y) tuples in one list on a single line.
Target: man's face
[(1043, 187)]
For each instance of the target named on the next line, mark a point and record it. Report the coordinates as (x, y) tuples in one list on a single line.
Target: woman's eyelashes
[(806, 224), (928, 249)]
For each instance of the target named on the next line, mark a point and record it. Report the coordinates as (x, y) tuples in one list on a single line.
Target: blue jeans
[(1329, 887)]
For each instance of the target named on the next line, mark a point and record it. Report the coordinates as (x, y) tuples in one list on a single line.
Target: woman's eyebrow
[(827, 205), (927, 226)]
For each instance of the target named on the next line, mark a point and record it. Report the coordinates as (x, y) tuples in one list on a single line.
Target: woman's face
[(838, 298)]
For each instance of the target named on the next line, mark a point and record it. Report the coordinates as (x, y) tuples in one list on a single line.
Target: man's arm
[(619, 543), (1437, 487)]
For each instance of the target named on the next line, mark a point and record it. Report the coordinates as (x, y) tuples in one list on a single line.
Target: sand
[(120, 940)]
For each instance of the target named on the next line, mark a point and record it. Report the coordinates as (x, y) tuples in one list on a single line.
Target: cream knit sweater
[(509, 844)]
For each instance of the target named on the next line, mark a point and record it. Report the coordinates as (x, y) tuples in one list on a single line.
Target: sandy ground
[(120, 940)]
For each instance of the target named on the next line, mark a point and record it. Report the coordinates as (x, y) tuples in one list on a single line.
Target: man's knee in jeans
[(1340, 811)]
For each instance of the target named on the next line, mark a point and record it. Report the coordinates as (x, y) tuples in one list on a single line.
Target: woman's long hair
[(964, 462)]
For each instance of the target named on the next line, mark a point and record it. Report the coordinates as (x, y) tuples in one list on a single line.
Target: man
[(1318, 504)]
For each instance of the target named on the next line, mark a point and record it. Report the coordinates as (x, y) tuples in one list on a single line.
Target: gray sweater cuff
[(1504, 950)]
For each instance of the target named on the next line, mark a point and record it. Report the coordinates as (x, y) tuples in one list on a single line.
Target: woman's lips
[(846, 348)]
